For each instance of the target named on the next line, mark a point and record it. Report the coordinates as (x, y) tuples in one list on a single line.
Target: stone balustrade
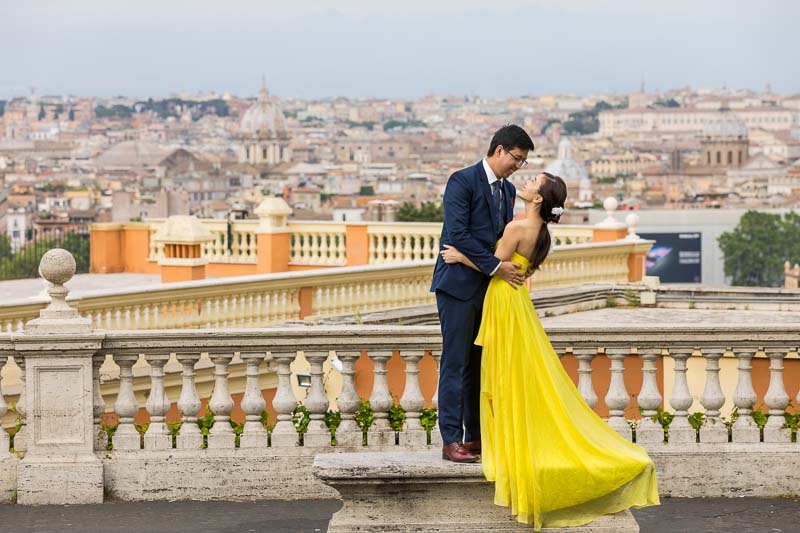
[(63, 415), (268, 299), (318, 244)]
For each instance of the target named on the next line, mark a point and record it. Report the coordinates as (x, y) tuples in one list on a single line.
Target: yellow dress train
[(552, 459)]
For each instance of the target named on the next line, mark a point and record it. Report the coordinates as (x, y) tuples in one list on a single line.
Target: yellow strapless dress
[(552, 459)]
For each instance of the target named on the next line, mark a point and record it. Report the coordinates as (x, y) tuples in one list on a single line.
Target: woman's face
[(531, 188)]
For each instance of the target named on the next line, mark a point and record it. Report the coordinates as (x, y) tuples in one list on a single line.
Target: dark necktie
[(499, 204)]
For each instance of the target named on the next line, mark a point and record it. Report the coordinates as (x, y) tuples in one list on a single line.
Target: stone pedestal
[(60, 466), (274, 239), (418, 491), (183, 238)]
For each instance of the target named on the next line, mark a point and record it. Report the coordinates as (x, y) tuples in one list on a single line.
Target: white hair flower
[(557, 211)]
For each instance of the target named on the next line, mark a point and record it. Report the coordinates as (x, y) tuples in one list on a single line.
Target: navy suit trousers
[(460, 368)]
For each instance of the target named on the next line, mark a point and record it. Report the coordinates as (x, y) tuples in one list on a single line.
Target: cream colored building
[(691, 120)]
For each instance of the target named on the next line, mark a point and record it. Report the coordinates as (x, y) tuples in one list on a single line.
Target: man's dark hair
[(510, 137)]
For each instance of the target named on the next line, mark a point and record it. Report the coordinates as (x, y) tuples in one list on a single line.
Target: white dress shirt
[(492, 178)]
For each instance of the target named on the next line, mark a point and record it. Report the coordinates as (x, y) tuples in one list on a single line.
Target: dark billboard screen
[(675, 257)]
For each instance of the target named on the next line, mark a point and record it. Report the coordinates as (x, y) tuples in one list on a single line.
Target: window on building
[(730, 157), (708, 158), (740, 157), (719, 158), (264, 153)]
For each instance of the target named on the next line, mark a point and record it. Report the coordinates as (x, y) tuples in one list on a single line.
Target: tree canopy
[(756, 250), (426, 212)]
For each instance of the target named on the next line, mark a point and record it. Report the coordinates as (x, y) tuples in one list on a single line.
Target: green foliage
[(366, 190), (696, 420), (427, 419), (174, 428), (115, 111), (301, 418), (760, 417), (397, 417), (792, 422), (756, 250), (411, 123), (106, 433), (587, 121), (238, 429), (368, 124), (332, 420), (205, 423), (365, 417), (611, 301), (426, 212), (25, 262), (266, 422), (666, 103)]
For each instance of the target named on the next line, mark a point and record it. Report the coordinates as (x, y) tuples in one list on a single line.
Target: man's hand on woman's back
[(509, 271)]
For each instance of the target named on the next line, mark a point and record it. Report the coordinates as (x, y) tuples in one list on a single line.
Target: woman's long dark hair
[(553, 191)]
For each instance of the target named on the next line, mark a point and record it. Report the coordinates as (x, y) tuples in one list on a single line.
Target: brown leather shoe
[(473, 446), (456, 452)]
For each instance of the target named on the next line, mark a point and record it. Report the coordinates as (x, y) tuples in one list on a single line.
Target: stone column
[(348, 433), (284, 402), (776, 398), (649, 399), (436, 434), (380, 400), (617, 397), (183, 238), (316, 402), (713, 430), (253, 404), (609, 229), (273, 236), (412, 401), (680, 431), (585, 385), (60, 466), (745, 428)]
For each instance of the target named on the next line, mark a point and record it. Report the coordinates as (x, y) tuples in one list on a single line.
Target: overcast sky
[(403, 48)]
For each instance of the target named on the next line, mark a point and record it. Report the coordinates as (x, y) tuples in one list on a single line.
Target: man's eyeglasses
[(521, 161)]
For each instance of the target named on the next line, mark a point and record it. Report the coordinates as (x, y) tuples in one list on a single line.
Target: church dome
[(725, 124), (565, 166), (264, 118)]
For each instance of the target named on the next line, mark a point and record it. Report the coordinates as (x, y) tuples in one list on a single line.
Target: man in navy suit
[(478, 203)]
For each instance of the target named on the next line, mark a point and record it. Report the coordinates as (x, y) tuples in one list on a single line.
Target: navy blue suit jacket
[(470, 224)]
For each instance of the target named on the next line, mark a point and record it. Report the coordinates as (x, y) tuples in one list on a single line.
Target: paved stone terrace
[(675, 515)]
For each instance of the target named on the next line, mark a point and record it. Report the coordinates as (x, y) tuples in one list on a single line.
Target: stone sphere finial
[(610, 204), (632, 220), (57, 266)]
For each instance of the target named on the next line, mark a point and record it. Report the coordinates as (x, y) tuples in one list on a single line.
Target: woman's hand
[(451, 255)]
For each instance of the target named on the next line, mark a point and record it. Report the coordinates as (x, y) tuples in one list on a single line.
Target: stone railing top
[(419, 466)]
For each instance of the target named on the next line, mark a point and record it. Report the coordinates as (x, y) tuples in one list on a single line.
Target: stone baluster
[(348, 433), (126, 437), (745, 428), (649, 399), (189, 404), (380, 400), (617, 397), (221, 434), (284, 402), (157, 436), (776, 398), (253, 404), (21, 436), (436, 435), (412, 401), (585, 385), (712, 399), (98, 404), (680, 431), (4, 440), (317, 402)]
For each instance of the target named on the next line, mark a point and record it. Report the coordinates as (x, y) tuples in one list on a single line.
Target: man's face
[(511, 160)]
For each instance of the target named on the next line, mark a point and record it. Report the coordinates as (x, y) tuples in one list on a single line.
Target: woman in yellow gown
[(552, 459)]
